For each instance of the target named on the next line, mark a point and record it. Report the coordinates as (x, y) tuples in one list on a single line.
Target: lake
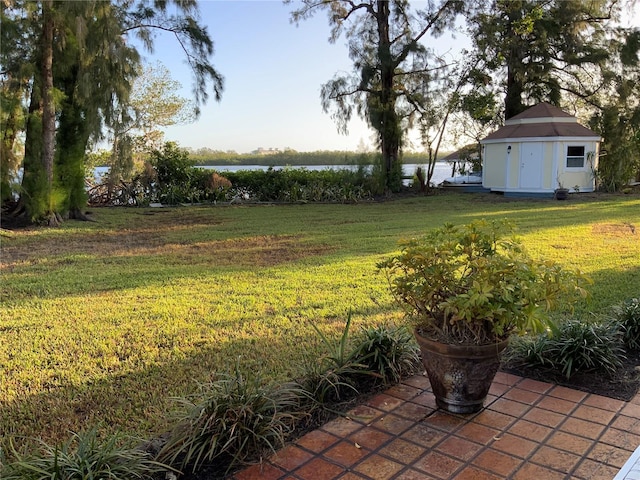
[(441, 171)]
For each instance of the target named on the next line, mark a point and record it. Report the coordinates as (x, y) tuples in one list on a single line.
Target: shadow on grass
[(141, 402), (611, 286), (138, 402)]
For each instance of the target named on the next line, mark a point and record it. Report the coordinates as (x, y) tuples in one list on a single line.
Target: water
[(440, 171)]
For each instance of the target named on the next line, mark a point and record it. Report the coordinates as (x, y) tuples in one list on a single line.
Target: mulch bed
[(624, 385)]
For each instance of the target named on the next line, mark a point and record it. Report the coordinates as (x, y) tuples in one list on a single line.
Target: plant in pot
[(561, 193), (467, 289)]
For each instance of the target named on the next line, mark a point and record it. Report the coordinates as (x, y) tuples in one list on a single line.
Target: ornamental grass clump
[(475, 284), (628, 316), (575, 347), (390, 353), (84, 456), (232, 419), (380, 355)]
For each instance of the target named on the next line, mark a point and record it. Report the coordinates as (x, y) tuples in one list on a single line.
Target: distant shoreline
[(298, 159)]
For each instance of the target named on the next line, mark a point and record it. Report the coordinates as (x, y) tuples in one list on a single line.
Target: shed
[(539, 150)]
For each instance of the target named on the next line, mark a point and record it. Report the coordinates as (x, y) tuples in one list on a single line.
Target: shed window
[(575, 157)]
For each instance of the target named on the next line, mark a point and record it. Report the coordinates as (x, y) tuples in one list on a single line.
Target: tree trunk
[(71, 143), (7, 157), (513, 98), (33, 174), (48, 108), (387, 125)]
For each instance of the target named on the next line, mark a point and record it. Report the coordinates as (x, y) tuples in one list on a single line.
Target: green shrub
[(475, 284), (299, 185), (628, 315), (575, 347), (172, 165), (83, 457), (390, 352), (176, 180), (529, 350), (231, 418)]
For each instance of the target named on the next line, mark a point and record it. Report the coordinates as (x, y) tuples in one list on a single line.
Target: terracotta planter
[(460, 375)]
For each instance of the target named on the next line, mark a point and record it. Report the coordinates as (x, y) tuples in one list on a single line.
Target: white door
[(531, 163)]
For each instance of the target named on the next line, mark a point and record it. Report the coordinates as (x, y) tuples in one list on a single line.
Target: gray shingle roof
[(553, 122)]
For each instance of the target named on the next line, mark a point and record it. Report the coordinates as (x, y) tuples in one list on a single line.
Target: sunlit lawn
[(106, 321)]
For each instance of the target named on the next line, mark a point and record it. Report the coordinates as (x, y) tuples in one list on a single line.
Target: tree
[(79, 43), (617, 116), (393, 67), (153, 103), (435, 117), (536, 51), (87, 105), (14, 88)]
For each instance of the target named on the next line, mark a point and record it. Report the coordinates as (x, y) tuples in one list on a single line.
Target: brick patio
[(529, 430)]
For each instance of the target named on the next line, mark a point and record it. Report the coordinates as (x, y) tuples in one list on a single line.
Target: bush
[(299, 185), (575, 347), (232, 418), (174, 180), (84, 456), (628, 316), (476, 284), (172, 165)]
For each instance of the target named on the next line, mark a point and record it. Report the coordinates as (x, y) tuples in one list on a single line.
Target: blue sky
[(273, 74)]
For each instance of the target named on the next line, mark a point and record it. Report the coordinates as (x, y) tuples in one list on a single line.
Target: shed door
[(531, 163)]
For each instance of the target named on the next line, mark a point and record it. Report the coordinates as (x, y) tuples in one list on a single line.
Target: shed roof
[(542, 110), (468, 151), (542, 120)]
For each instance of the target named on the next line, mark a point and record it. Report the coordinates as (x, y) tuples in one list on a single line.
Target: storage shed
[(539, 150)]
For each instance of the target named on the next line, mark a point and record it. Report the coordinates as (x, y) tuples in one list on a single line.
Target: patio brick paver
[(529, 430)]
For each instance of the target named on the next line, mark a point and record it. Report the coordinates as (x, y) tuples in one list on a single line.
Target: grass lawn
[(105, 322)]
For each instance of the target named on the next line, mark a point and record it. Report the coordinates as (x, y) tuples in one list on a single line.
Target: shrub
[(529, 350), (82, 457), (390, 352), (628, 316), (575, 347), (172, 165), (231, 418), (299, 185), (476, 284)]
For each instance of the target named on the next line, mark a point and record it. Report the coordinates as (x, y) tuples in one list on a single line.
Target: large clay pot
[(460, 375)]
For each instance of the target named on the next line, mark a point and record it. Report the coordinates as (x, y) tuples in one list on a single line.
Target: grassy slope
[(106, 321)]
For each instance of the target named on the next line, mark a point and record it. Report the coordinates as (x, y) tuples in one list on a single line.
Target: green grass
[(106, 321)]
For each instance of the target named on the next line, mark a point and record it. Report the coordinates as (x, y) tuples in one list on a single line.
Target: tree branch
[(409, 47)]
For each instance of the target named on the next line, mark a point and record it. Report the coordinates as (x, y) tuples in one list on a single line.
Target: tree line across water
[(208, 157)]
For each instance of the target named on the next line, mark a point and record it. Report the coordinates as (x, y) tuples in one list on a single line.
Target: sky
[(273, 73)]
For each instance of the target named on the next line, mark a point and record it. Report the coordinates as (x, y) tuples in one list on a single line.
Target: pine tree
[(393, 68), (537, 51)]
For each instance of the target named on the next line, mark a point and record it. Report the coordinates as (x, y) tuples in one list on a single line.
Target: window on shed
[(575, 156)]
